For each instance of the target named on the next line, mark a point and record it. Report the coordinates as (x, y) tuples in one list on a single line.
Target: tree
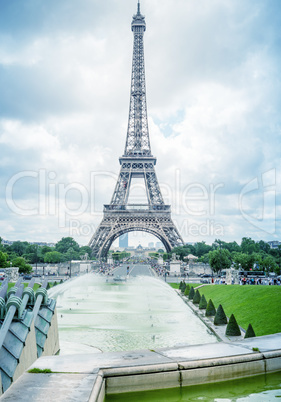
[(202, 248), (220, 260), (3, 260), (232, 328), (52, 257), (183, 286), (246, 261), (191, 293), (270, 264), (19, 247), (204, 258), (263, 246), (65, 244), (210, 309), (119, 255), (250, 333), (231, 247), (22, 265), (181, 251), (86, 250), (220, 317), (248, 246), (196, 297), (46, 249), (203, 303), (187, 289)]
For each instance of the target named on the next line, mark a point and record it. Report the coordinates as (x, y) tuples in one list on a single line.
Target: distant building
[(159, 245), (151, 244), (7, 242), (274, 243), (123, 240)]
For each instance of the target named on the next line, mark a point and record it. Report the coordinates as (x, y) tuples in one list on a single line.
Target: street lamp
[(36, 257)]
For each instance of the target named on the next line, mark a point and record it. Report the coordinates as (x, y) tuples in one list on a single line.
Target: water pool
[(262, 388), (141, 313)]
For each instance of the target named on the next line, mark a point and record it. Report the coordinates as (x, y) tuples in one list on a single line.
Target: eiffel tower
[(119, 216)]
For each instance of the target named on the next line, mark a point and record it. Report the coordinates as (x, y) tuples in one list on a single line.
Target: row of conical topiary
[(220, 318), (54, 284)]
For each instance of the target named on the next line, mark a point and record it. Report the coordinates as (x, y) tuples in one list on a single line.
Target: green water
[(263, 388)]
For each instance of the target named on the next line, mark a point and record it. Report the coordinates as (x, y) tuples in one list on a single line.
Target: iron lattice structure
[(137, 161)]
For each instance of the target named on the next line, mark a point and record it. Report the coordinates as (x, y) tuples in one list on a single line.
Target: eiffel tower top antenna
[(138, 6)]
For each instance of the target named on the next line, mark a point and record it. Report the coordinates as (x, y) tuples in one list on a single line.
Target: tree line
[(220, 255), (21, 253), (249, 255)]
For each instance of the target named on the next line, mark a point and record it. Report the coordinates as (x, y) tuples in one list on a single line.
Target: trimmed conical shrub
[(210, 309), (61, 281), (220, 317), (180, 285), (203, 303), (48, 286), (197, 297), (191, 293), (250, 333), (55, 283), (183, 286), (187, 289), (232, 328)]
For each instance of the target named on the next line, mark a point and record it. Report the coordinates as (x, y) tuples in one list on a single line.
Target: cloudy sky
[(214, 101)]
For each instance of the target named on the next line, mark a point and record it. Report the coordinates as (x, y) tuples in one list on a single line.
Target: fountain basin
[(92, 376)]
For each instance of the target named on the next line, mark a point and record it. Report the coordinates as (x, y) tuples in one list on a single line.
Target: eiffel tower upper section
[(137, 143)]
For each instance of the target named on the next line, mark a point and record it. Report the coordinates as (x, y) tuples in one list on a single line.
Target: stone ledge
[(92, 376)]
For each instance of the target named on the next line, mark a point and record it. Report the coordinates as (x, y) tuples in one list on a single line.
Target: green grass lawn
[(258, 305), (35, 287), (176, 285)]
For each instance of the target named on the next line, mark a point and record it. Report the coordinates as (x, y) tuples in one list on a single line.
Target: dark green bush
[(180, 285), (187, 289), (220, 317), (250, 333), (232, 328), (191, 293), (48, 286), (210, 309), (203, 303), (183, 286), (196, 297)]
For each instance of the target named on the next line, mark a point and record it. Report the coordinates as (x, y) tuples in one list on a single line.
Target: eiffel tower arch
[(120, 216)]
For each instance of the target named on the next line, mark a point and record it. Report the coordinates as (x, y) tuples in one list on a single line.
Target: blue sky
[(214, 100)]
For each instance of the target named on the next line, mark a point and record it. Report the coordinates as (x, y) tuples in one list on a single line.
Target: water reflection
[(262, 388), (141, 313)]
